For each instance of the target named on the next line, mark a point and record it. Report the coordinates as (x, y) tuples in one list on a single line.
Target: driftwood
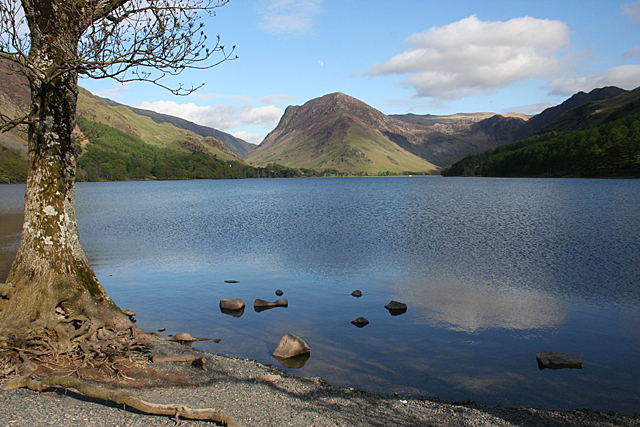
[(123, 398)]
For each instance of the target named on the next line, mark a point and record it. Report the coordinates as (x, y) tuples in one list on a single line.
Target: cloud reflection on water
[(468, 307)]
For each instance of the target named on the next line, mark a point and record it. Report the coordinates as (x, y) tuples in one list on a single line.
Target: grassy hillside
[(13, 166), (611, 150), (236, 145), (144, 128), (113, 155)]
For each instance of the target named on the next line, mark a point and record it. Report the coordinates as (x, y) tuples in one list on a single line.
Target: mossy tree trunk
[(51, 284)]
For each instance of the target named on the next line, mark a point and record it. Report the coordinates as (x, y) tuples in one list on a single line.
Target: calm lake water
[(492, 271)]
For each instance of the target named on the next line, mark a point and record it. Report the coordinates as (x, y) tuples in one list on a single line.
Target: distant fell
[(337, 131), (539, 121), (239, 146)]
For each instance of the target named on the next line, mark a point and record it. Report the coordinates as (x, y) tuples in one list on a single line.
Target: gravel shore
[(235, 385)]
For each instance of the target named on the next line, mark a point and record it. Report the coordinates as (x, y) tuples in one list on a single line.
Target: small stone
[(268, 378), (162, 329), (232, 304), (396, 308), (291, 346), (231, 281), (558, 360), (216, 340), (356, 293), (128, 312), (184, 336), (279, 292), (360, 322)]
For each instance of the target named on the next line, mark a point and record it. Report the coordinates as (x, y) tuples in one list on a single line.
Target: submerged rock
[(396, 308), (279, 292), (231, 281), (260, 304), (293, 362), (558, 360), (356, 293), (360, 322), (234, 313), (291, 346)]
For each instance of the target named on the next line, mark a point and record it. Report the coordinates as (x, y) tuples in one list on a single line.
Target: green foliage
[(113, 155), (13, 166), (611, 150)]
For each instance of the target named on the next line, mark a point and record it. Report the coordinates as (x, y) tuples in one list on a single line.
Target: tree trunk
[(51, 284)]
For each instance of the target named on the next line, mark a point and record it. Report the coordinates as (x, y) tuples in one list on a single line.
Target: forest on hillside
[(611, 150)]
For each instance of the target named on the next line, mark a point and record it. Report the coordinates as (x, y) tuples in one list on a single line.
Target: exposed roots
[(79, 349), (64, 352)]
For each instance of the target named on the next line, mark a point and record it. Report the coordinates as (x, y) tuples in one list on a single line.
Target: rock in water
[(232, 304), (279, 292), (558, 360), (396, 308), (356, 293), (360, 322), (291, 346)]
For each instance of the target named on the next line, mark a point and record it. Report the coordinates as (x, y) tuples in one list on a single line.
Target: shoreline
[(263, 395)]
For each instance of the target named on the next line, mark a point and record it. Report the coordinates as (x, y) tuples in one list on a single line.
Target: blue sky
[(424, 57)]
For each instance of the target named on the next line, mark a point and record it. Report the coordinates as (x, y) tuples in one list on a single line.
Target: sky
[(407, 56)]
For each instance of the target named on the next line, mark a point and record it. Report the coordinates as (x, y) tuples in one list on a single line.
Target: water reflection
[(471, 307)]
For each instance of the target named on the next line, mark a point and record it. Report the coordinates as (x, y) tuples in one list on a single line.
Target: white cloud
[(254, 138), (472, 56), (623, 76), (273, 99), (290, 16), (631, 10), (112, 93), (221, 117)]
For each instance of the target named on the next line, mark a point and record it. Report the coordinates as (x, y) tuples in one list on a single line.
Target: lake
[(492, 271)]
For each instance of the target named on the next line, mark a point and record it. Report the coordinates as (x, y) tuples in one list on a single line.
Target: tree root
[(123, 398)]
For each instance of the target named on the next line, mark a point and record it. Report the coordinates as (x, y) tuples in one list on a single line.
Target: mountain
[(597, 113), (240, 147), (339, 132), (595, 139), (539, 121)]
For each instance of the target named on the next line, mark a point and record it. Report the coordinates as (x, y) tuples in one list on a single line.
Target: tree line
[(611, 150)]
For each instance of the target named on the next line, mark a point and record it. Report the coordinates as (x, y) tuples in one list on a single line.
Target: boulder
[(279, 292), (558, 360), (396, 308), (291, 346), (356, 293), (360, 322), (232, 304)]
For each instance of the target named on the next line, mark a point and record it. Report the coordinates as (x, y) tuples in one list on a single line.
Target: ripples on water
[(493, 270)]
